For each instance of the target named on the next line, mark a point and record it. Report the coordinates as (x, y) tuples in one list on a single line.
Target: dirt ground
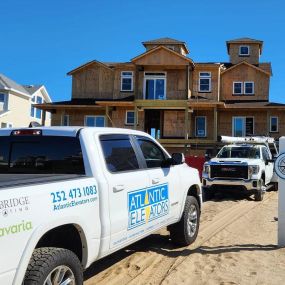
[(237, 244)]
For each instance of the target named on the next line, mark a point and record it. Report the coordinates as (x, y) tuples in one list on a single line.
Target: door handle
[(155, 180), (118, 188)]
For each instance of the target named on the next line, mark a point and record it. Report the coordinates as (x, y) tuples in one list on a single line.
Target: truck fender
[(38, 234), (187, 192)]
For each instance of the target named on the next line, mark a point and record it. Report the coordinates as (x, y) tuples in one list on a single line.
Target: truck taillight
[(26, 133)]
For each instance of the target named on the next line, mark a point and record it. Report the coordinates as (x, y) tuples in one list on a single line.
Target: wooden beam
[(215, 133), (162, 103), (186, 122)]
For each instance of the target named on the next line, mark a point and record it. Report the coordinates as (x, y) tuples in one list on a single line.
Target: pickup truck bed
[(14, 180)]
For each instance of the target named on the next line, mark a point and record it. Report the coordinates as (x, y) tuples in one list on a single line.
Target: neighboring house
[(181, 103), (16, 104)]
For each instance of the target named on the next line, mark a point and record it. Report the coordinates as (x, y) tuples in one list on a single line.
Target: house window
[(243, 126), (126, 81), (3, 103), (237, 88), (244, 50), (155, 85), (200, 126), (249, 87), (273, 124), (35, 112), (65, 120), (95, 121), (6, 125), (205, 82), (130, 118)]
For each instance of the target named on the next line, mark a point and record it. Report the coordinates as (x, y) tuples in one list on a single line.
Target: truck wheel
[(50, 266), (185, 231), (258, 196)]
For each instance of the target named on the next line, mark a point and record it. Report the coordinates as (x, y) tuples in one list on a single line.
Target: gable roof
[(165, 41), (89, 63), (165, 49), (248, 64), (244, 41), (9, 84), (31, 89)]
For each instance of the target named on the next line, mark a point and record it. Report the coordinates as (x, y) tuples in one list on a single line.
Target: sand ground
[(237, 244)]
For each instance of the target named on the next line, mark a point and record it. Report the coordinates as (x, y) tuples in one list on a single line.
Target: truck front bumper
[(246, 184)]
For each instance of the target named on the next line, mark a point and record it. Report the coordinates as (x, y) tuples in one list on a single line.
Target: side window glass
[(119, 153), (265, 153), (153, 154)]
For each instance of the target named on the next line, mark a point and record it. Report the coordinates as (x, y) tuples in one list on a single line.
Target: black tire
[(258, 196), (182, 233), (47, 260), (208, 194)]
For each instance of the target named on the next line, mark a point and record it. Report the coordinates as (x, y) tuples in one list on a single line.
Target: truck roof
[(71, 131)]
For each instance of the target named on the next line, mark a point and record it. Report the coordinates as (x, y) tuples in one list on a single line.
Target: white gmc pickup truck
[(70, 196), (247, 163)]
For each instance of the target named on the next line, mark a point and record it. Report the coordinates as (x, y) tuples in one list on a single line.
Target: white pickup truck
[(246, 163), (70, 196)]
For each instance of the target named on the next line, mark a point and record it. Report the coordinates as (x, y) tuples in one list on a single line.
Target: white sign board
[(280, 171)]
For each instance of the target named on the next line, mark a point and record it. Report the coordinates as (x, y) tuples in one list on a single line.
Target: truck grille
[(229, 171)]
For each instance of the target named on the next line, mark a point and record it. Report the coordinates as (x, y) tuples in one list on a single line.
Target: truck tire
[(258, 196), (185, 231), (50, 265)]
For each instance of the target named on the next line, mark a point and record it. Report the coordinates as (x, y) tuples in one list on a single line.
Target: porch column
[(136, 89), (186, 123), (135, 116), (215, 124), (107, 115), (267, 123), (43, 117)]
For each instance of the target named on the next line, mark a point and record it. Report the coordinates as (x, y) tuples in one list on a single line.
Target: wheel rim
[(61, 275), (192, 221)]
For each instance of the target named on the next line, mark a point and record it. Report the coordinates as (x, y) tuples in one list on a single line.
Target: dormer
[(172, 44), (244, 49)]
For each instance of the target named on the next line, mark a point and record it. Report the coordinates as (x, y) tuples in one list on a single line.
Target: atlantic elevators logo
[(146, 205)]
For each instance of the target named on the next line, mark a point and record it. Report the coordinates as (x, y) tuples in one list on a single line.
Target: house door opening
[(153, 124)]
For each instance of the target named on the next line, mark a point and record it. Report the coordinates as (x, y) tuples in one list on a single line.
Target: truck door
[(164, 189), (268, 165), (127, 181)]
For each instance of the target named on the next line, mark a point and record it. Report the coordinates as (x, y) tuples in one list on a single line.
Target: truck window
[(41, 155), (153, 154), (119, 153), (239, 152)]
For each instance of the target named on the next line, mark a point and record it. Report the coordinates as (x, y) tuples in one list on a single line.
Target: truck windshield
[(239, 152), (41, 155)]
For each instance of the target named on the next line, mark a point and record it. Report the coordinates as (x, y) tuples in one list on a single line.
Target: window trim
[(126, 118), (154, 77), (128, 77), (205, 77), (244, 89), (241, 83), (277, 131), (196, 135), (244, 118), (95, 116), (244, 54), (5, 102)]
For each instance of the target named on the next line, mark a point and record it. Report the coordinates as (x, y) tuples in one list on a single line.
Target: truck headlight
[(206, 169), (253, 169)]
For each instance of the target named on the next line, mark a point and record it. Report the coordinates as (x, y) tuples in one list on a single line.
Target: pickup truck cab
[(246, 163), (70, 196)]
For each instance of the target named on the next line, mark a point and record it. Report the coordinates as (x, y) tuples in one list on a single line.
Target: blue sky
[(43, 40)]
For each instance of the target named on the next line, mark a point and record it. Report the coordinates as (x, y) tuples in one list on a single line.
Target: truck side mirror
[(177, 158)]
